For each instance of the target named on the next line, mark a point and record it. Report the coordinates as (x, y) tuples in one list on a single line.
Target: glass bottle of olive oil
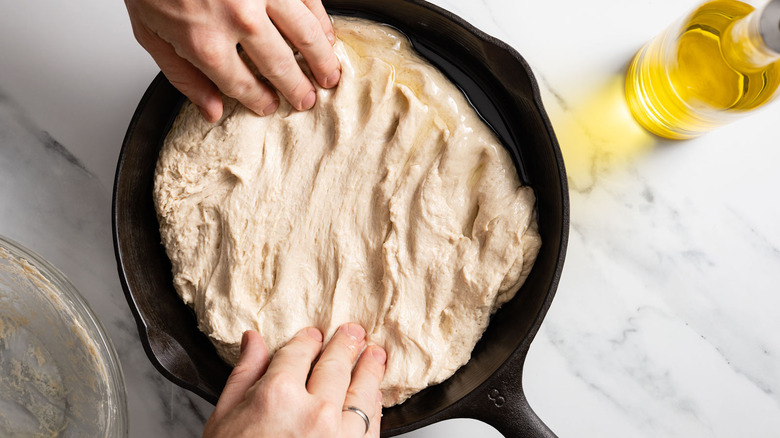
[(719, 62)]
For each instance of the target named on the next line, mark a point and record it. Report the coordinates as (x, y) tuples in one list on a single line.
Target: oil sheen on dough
[(390, 203)]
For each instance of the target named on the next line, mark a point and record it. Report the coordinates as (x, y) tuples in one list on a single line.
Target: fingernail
[(331, 38), (379, 354), (308, 101), (354, 331), (333, 79), (244, 340), (314, 333), (270, 108)]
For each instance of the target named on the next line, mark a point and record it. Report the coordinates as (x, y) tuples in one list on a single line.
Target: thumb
[(251, 366)]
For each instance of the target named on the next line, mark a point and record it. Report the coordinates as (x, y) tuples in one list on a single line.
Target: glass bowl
[(59, 372)]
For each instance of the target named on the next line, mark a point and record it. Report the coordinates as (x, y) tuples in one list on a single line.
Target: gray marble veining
[(56, 207)]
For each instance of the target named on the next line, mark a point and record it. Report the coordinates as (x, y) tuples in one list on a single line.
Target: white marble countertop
[(666, 319)]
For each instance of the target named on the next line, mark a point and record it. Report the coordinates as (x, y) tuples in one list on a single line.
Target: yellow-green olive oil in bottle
[(719, 62)]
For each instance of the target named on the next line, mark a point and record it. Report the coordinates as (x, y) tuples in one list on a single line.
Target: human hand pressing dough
[(292, 395), (194, 42)]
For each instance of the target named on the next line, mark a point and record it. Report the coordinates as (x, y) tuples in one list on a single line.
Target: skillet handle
[(509, 412), (501, 403)]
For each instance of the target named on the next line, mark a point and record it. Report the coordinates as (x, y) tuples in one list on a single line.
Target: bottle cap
[(770, 25)]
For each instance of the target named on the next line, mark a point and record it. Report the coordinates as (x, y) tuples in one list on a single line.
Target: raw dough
[(391, 204)]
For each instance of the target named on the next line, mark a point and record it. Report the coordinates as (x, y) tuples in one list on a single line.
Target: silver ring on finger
[(359, 412)]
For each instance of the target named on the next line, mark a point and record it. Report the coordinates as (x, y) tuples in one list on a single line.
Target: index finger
[(316, 8), (305, 32), (275, 60), (331, 375), (296, 357), (221, 63)]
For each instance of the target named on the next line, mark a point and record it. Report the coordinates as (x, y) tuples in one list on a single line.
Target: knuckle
[(280, 69), (300, 343), (306, 341), (239, 88), (206, 50), (282, 382), (363, 395), (347, 343), (301, 88), (279, 389), (335, 364), (374, 369), (326, 417), (310, 35), (246, 17), (326, 65)]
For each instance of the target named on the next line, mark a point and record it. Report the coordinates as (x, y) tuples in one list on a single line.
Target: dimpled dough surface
[(390, 204)]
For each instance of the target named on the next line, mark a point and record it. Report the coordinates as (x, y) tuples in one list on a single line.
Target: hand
[(194, 42), (263, 399)]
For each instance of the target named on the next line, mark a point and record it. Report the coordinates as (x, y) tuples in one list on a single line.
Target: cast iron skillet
[(502, 88)]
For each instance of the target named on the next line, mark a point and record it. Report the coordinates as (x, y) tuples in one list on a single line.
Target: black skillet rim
[(520, 351)]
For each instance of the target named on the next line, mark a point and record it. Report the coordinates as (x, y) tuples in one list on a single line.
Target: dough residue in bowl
[(390, 203), (53, 377)]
